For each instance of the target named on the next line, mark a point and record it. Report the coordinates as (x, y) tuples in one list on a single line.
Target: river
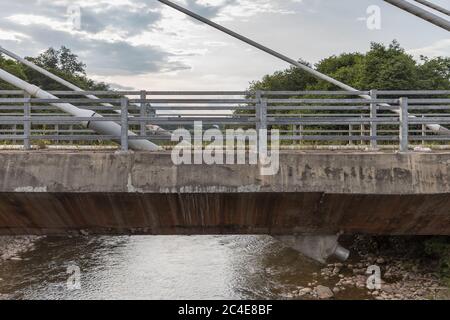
[(161, 267)]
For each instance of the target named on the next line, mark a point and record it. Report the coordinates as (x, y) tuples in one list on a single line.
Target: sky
[(142, 44)]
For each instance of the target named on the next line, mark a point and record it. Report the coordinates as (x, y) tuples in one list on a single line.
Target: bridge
[(346, 164)]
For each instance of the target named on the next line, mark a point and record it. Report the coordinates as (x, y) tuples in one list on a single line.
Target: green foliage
[(13, 68), (62, 59), (62, 63), (346, 68), (440, 247), (382, 67), (289, 79), (434, 73)]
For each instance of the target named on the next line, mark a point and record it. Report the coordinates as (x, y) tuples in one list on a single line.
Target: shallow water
[(161, 267)]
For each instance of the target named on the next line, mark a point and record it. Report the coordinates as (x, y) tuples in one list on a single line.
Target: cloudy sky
[(142, 44)]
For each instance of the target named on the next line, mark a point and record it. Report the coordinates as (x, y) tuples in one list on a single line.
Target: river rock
[(388, 289), (323, 292), (15, 258), (304, 291), (336, 270)]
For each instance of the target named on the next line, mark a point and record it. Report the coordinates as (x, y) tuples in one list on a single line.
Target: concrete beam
[(313, 193), (331, 172)]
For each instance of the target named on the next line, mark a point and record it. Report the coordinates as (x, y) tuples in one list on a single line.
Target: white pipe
[(421, 13), (65, 83), (102, 127), (434, 6), (44, 72)]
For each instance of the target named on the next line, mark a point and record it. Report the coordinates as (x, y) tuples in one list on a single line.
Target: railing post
[(404, 125), (350, 134), (57, 132), (362, 130), (294, 134), (298, 132), (143, 113), (71, 133), (261, 111), (258, 110), (124, 124), (26, 121), (301, 132), (424, 131), (373, 115)]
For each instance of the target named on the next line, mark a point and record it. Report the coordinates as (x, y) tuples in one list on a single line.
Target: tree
[(389, 68), (62, 63), (434, 73), (382, 67), (48, 59), (345, 68), (69, 63), (62, 60), (12, 67), (289, 79)]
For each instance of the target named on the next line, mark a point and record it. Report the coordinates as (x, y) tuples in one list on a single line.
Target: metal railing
[(308, 118)]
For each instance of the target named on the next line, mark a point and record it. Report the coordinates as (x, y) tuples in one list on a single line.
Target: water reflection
[(160, 267)]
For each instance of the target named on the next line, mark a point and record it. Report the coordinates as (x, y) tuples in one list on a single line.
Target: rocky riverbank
[(12, 247), (406, 273)]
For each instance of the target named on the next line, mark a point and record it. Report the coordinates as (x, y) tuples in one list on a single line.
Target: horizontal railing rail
[(308, 118)]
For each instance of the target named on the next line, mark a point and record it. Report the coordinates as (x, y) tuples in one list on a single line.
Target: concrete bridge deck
[(314, 192)]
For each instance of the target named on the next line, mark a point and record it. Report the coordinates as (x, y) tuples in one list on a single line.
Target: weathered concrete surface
[(314, 192)]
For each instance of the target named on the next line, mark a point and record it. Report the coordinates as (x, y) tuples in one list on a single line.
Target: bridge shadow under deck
[(223, 213)]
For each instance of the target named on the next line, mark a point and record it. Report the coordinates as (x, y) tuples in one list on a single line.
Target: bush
[(439, 247)]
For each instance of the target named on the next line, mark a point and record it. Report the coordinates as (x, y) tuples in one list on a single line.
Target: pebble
[(15, 258), (323, 292), (305, 291), (12, 246)]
